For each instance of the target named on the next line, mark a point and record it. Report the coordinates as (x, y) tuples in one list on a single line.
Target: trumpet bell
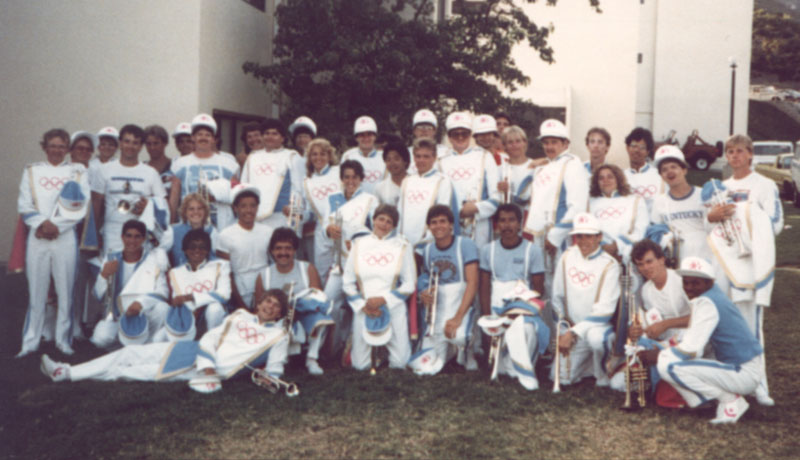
[(124, 207)]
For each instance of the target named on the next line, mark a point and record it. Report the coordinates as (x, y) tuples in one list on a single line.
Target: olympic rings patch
[(203, 286), (323, 191), (461, 173), (52, 183), (265, 169), (610, 213), (379, 259), (372, 175), (580, 278), (417, 196), (249, 333), (645, 191)]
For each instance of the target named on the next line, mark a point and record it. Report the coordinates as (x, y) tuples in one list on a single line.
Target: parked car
[(780, 171), (768, 151)]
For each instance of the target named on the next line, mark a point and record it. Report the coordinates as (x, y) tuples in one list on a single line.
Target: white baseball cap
[(697, 267), (458, 120), (238, 189), (666, 152), (108, 131), (424, 116), (206, 120), (484, 124), (364, 124), (83, 135), (585, 224), (303, 122), (181, 129), (553, 128)]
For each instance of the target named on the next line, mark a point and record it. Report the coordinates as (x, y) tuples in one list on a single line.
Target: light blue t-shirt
[(510, 263), (447, 260)]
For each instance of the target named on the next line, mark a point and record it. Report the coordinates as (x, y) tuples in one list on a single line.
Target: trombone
[(272, 384)]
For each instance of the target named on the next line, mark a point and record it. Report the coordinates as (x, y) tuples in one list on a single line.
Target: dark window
[(229, 126), (260, 4)]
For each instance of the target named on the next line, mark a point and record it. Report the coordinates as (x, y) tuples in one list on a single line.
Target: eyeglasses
[(459, 134)]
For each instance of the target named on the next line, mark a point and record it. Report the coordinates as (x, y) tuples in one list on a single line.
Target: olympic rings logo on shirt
[(542, 179), (357, 212), (249, 333), (372, 175), (52, 183), (379, 259), (203, 286), (417, 196), (645, 191), (579, 277), (264, 169), (610, 213), (461, 173), (323, 191)]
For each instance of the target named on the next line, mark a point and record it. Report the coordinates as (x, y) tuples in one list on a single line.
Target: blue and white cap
[(364, 124), (378, 330), (71, 202), (180, 324), (133, 330)]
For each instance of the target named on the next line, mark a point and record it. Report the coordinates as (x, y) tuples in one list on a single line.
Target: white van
[(768, 151)]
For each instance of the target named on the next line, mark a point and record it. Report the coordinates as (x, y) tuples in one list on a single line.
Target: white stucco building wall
[(659, 64), (85, 64)]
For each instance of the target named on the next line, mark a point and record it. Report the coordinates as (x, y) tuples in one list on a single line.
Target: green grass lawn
[(392, 415)]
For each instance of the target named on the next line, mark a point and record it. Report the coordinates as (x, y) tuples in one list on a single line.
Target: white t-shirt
[(247, 248), (756, 188), (670, 301)]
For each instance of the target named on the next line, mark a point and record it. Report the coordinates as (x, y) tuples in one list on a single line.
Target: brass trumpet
[(731, 231), (272, 384)]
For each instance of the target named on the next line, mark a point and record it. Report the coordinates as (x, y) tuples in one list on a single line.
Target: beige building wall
[(85, 64)]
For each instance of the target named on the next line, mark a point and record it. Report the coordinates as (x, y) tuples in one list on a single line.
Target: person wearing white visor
[(556, 192), (204, 171), (736, 369), (424, 125), (474, 174), (584, 297), (484, 129), (183, 138), (302, 131), (365, 131)]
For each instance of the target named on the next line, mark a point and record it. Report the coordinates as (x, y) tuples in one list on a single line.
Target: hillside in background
[(768, 122), (790, 7)]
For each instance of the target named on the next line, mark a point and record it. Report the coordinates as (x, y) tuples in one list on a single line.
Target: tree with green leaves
[(338, 59), (776, 45)]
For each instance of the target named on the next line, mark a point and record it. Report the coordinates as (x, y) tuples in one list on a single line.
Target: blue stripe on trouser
[(706, 363)]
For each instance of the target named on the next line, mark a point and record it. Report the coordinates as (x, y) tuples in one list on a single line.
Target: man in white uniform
[(736, 369), (127, 188), (261, 340), (474, 175), (205, 171), (642, 177), (366, 132), (585, 293), (53, 198), (679, 214)]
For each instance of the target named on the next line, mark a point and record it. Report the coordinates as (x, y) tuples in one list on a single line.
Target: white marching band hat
[(182, 128), (204, 120), (364, 124), (666, 152), (458, 120), (484, 124), (378, 330), (71, 201), (697, 267), (83, 135), (553, 128), (180, 324), (108, 131), (238, 189), (585, 224), (303, 122), (133, 330), (424, 116)]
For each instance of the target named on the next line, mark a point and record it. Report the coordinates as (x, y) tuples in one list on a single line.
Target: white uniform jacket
[(623, 220), (147, 285), (210, 283), (418, 194)]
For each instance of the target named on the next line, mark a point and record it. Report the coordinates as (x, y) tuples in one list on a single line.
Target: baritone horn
[(272, 384)]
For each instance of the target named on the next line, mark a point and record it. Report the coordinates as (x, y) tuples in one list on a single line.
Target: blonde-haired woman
[(322, 180), (194, 212)]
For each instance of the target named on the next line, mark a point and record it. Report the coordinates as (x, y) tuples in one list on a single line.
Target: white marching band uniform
[(317, 189), (240, 340), (623, 220), (585, 294), (380, 268), (117, 182), (210, 284), (686, 221), (559, 190), (419, 194), (248, 255), (441, 152), (437, 349), (143, 281), (387, 191), (756, 188), (356, 215), (736, 369), (215, 173), (747, 280), (646, 182), (275, 173), (172, 241), (516, 174), (374, 167), (474, 176), (39, 192)]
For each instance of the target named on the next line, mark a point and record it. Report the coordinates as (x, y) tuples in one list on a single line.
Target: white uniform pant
[(529, 349), (754, 317), (315, 343), (587, 357), (323, 257), (134, 362), (106, 332), (399, 346), (445, 348), (701, 380), (44, 259)]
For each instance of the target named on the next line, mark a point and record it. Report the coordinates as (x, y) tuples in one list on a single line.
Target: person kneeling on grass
[(244, 339), (737, 369)]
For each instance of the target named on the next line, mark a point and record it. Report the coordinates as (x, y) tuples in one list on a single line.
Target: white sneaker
[(66, 349), (313, 367), (731, 412), (56, 371), (763, 397)]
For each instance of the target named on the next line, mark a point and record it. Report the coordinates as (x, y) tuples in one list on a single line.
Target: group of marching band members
[(423, 250)]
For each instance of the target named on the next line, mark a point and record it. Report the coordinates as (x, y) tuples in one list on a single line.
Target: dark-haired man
[(642, 177)]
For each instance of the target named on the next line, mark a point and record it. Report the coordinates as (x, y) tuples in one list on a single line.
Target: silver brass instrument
[(295, 218), (272, 384), (674, 253), (287, 324), (731, 231), (494, 355), (373, 358), (431, 316), (636, 374), (108, 297), (202, 189), (557, 378), (506, 168), (468, 223), (337, 245)]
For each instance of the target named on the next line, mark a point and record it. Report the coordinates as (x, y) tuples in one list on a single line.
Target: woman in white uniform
[(322, 180)]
